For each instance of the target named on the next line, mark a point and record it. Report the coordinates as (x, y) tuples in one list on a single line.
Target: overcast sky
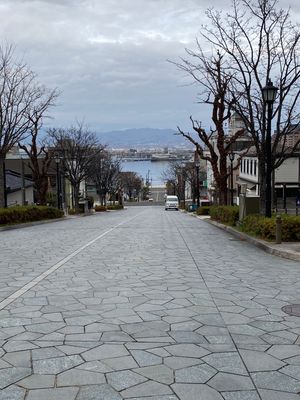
[(109, 57)]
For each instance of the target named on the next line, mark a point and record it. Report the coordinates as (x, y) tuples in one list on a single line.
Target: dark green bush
[(99, 208), (203, 210), (20, 214), (264, 228), (225, 214)]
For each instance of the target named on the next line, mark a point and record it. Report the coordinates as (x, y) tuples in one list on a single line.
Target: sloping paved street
[(144, 304)]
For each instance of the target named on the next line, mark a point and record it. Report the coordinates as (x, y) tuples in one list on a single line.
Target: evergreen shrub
[(228, 215), (265, 228), (21, 214)]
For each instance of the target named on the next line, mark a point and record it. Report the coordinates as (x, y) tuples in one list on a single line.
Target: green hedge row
[(225, 214), (20, 214), (265, 228), (203, 210)]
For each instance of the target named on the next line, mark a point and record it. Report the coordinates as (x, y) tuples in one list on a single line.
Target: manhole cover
[(292, 309)]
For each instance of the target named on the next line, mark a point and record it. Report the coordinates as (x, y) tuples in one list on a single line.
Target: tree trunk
[(2, 182), (76, 197), (41, 190)]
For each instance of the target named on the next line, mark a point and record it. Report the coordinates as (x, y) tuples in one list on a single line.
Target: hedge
[(203, 210), (100, 208), (226, 214), (115, 207), (265, 228), (20, 214)]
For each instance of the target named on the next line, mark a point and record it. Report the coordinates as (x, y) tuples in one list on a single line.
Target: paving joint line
[(29, 285)]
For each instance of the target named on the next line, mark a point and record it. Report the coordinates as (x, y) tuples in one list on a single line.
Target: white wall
[(16, 197), (288, 171)]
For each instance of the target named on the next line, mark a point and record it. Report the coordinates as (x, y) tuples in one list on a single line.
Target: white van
[(171, 203)]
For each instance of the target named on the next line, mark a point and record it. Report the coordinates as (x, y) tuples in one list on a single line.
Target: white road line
[(56, 266)]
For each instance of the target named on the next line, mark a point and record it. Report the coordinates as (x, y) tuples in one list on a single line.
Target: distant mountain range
[(143, 137)]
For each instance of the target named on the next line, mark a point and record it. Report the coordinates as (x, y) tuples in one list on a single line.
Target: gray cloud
[(108, 57)]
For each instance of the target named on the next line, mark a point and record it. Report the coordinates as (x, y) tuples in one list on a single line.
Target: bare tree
[(259, 42), (214, 146), (105, 173), (17, 95), (40, 156), (77, 147), (131, 183)]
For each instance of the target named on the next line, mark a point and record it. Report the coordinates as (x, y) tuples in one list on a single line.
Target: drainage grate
[(292, 309)]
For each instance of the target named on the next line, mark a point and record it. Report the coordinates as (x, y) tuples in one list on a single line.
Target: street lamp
[(197, 166), (231, 158), (57, 161), (269, 94)]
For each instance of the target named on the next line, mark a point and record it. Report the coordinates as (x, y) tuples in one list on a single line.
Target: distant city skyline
[(109, 58)]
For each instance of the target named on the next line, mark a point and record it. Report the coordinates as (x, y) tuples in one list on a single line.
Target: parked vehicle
[(171, 203)]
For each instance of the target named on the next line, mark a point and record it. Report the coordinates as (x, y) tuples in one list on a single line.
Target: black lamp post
[(269, 95), (197, 166), (57, 161), (231, 158)]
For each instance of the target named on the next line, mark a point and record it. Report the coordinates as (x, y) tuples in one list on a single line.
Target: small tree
[(77, 147), (105, 173), (40, 156), (213, 146), (132, 183), (17, 95)]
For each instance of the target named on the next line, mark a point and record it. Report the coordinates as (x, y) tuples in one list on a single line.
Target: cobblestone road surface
[(145, 304)]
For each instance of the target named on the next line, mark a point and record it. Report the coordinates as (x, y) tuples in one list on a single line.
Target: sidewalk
[(290, 250)]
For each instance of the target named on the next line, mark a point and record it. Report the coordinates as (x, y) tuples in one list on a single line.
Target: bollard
[(278, 229)]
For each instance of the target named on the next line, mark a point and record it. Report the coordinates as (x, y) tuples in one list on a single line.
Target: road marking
[(56, 266)]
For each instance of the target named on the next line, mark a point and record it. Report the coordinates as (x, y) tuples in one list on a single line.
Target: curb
[(33, 223), (267, 247)]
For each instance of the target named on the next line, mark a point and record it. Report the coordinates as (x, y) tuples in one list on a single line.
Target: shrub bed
[(100, 208), (203, 210), (20, 214), (115, 207), (226, 214), (265, 228)]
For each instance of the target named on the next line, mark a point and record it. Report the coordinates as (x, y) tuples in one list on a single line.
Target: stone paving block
[(37, 382), (158, 373), (187, 350), (18, 359), (124, 379), (98, 392), (224, 382), (52, 394), (181, 362), (105, 351), (275, 381), (12, 393), (259, 361), (226, 362), (195, 392), (9, 376), (284, 351), (76, 377), (144, 358), (149, 388), (56, 365), (121, 363), (196, 374)]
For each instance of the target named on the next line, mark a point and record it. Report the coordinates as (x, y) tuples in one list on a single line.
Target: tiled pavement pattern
[(165, 307)]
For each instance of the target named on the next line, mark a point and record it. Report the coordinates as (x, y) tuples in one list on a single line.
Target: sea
[(148, 170)]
